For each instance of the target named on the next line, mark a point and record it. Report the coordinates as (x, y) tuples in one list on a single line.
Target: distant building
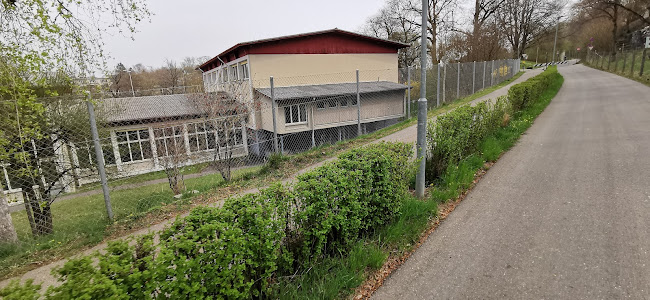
[(315, 84)]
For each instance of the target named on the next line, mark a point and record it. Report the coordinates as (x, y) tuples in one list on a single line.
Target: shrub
[(457, 134), (235, 251)]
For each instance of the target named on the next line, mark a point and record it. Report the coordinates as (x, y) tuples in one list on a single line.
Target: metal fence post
[(474, 78), (458, 83), (438, 87), (358, 107), (408, 91), (624, 60), (99, 157), (484, 67), (632, 68), (273, 113), (491, 74), (643, 61), (444, 83), (609, 61), (422, 108)]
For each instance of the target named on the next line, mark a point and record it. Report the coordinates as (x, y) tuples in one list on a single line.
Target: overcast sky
[(205, 28)]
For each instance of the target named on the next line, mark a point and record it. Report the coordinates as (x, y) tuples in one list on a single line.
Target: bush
[(235, 251), (459, 133)]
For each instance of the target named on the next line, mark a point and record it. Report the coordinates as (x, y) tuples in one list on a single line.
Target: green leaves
[(457, 134), (237, 251)]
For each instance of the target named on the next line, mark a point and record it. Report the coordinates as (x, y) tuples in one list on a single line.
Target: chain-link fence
[(449, 82), (159, 148), (629, 62)]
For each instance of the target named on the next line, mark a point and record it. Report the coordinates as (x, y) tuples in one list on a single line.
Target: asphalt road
[(564, 215)]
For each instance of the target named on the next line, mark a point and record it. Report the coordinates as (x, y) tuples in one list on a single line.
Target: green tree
[(38, 38)]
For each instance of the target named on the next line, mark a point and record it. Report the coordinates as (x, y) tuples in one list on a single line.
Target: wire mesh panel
[(164, 145)]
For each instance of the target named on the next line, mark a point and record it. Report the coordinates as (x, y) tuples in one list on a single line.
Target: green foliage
[(17, 291), (238, 250), (459, 133), (350, 197)]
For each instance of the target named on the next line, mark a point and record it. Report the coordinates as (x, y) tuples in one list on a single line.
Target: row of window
[(334, 103), (135, 145), (234, 72)]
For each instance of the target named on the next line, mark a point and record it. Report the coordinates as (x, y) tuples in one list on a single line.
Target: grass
[(338, 277), (81, 222), (624, 60)]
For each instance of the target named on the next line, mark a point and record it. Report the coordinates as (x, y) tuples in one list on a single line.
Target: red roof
[(332, 41)]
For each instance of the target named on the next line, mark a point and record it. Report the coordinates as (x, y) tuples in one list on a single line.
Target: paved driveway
[(564, 215)]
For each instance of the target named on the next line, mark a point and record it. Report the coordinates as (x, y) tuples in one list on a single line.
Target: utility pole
[(131, 80), (422, 107), (557, 27)]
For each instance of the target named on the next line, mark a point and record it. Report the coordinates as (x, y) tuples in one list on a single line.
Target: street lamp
[(131, 80)]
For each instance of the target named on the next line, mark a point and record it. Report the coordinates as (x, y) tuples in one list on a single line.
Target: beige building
[(314, 85)]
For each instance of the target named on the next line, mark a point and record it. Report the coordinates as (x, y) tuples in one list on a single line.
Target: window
[(233, 73), (320, 105), (331, 103), (229, 136), (344, 102), (295, 114), (353, 101), (224, 73), (244, 70), (86, 154), (202, 136), (169, 140), (134, 145)]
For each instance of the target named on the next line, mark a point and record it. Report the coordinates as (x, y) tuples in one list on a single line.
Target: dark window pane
[(178, 130), (320, 104), (133, 135), (124, 152), (331, 103), (287, 114), (200, 127), (303, 113), (353, 101), (158, 132), (161, 150), (109, 156), (193, 144), (239, 136), (136, 151), (212, 141), (294, 114), (144, 134), (191, 128), (146, 150), (121, 136), (344, 102), (202, 142)]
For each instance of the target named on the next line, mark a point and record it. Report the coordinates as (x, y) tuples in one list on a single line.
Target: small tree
[(175, 158), (228, 117)]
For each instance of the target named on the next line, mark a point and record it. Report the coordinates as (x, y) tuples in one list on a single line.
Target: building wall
[(308, 69), (374, 107)]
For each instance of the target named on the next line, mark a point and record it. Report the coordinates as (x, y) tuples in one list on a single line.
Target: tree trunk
[(7, 230), (41, 215)]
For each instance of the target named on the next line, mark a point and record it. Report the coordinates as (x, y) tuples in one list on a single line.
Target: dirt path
[(41, 275)]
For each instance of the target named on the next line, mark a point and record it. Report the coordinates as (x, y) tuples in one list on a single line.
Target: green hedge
[(457, 134), (236, 251)]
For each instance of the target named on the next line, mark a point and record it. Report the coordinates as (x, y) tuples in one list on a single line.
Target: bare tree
[(173, 74), (522, 20), (173, 159), (226, 114), (396, 21)]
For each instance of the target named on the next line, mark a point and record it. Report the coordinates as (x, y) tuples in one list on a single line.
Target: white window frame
[(244, 70), (174, 137), (301, 119), (197, 135), (139, 141), (233, 69)]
